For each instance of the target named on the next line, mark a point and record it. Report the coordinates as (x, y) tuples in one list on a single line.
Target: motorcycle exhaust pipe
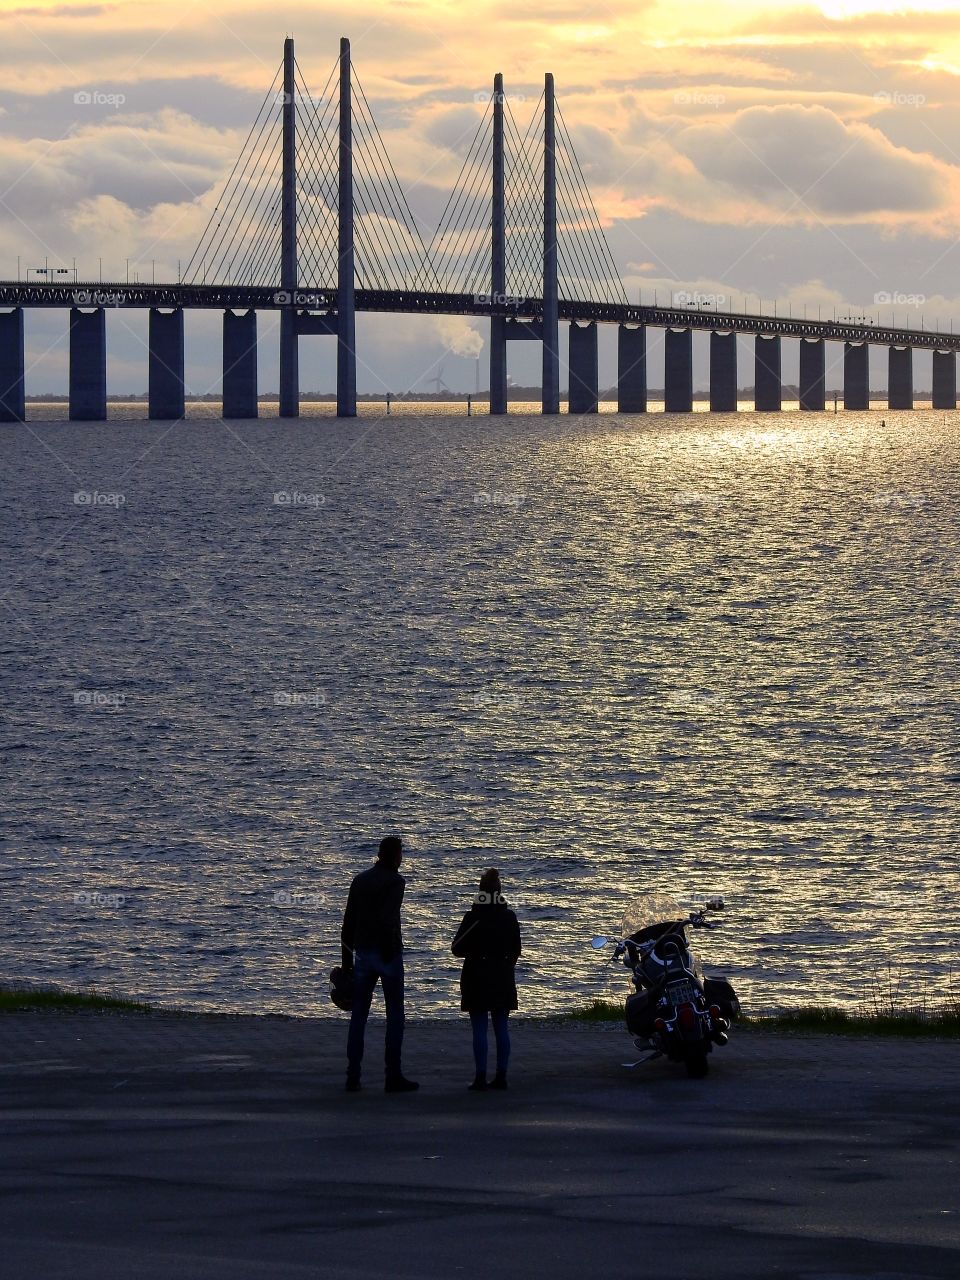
[(720, 1026)]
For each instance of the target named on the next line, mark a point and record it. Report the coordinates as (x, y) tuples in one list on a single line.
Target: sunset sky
[(808, 153)]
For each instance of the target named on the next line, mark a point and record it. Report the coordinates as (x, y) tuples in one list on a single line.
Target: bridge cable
[(263, 210), (319, 257), (614, 272), (524, 214), (270, 92), (232, 186), (473, 220), (216, 251), (472, 229), (456, 185), (318, 179), (410, 221), (389, 242), (463, 191)]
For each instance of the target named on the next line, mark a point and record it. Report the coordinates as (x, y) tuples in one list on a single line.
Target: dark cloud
[(778, 155), (55, 113), (921, 128)]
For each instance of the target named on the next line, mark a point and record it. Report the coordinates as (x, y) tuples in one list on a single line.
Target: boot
[(400, 1084), (479, 1083), (353, 1082), (499, 1081)]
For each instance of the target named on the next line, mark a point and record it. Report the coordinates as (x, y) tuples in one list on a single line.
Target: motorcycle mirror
[(598, 943)]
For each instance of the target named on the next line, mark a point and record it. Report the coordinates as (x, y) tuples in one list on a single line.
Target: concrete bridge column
[(678, 371), (632, 369), (88, 365), (289, 364), (767, 383), (944, 380), (856, 375), (723, 372), (813, 374), (584, 394), (240, 364), (12, 406), (165, 382), (900, 378), (498, 365)]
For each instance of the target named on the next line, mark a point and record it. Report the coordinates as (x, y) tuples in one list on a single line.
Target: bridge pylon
[(550, 394), (547, 327), (346, 302), (294, 319), (498, 259), (289, 340)]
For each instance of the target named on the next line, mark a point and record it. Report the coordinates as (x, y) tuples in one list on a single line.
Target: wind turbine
[(438, 383)]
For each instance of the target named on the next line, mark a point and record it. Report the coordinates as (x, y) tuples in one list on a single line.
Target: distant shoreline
[(790, 394)]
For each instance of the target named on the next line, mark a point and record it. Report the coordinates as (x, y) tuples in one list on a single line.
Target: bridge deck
[(242, 297)]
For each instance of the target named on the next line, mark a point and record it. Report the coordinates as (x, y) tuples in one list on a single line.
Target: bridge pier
[(289, 364), (88, 365), (944, 379), (767, 393), (723, 372), (584, 392), (12, 402), (900, 378), (678, 371), (551, 305), (240, 364), (813, 374), (631, 369), (856, 375), (165, 381), (498, 365)]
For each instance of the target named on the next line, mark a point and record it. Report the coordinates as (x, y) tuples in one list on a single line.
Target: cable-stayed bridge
[(313, 223)]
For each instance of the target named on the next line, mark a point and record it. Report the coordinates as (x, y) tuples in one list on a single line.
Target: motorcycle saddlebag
[(640, 1011), (719, 991)]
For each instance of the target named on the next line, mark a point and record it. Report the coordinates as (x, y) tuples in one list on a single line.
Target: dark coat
[(371, 921), (489, 941)]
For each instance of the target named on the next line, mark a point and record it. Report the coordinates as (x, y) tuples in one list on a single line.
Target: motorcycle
[(675, 1010)]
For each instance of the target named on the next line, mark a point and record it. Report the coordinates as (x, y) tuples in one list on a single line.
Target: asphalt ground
[(220, 1148)]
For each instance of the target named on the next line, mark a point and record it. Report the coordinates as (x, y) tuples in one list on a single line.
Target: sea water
[(613, 654)]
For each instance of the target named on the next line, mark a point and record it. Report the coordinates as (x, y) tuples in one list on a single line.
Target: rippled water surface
[(707, 654)]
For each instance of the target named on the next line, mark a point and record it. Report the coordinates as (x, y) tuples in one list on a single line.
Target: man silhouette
[(373, 949)]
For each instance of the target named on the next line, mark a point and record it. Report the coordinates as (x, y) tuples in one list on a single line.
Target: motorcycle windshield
[(650, 909)]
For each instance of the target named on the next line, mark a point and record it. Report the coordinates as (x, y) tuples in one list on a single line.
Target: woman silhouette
[(489, 942)]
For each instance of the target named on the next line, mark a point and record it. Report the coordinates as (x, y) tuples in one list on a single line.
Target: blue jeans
[(501, 1030), (369, 969)]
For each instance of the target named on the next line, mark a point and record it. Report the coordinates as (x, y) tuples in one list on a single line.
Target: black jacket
[(371, 921), (489, 941)]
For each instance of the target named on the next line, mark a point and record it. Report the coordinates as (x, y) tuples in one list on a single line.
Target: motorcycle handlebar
[(697, 919)]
